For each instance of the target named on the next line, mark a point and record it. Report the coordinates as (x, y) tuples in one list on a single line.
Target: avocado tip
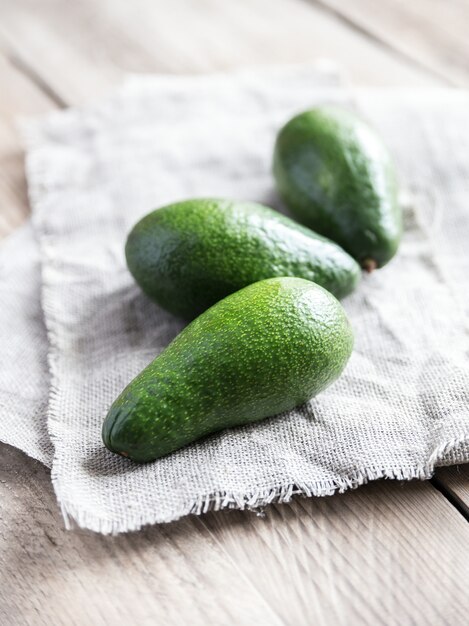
[(369, 265)]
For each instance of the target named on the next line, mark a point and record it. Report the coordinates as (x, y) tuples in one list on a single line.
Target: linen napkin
[(401, 406), (24, 375)]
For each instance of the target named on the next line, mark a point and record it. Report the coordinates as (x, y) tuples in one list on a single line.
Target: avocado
[(337, 177), (191, 254), (260, 351)]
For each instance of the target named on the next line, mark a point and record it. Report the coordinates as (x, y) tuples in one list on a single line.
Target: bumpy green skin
[(336, 177), (189, 255), (260, 351)]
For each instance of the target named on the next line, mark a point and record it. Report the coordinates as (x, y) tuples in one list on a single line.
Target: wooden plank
[(80, 49), (373, 556), (19, 97), (77, 52), (176, 574), (432, 33), (369, 557), (454, 482)]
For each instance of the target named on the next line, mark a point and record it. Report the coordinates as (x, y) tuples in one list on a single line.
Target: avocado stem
[(369, 265)]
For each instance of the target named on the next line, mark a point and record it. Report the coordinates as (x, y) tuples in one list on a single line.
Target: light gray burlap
[(402, 405), (24, 375)]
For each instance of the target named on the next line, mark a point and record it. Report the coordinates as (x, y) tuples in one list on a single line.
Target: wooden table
[(388, 553)]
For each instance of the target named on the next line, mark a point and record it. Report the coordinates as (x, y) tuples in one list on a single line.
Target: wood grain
[(369, 557), (19, 97), (454, 481), (175, 574), (69, 53), (82, 48), (430, 33), (385, 554)]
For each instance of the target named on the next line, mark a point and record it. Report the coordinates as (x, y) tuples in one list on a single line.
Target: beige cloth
[(401, 406)]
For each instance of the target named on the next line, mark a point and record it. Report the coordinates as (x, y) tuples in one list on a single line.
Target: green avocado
[(191, 254), (337, 177), (262, 350)]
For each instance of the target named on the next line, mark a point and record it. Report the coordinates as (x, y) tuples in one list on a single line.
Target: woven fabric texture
[(24, 375), (401, 406)]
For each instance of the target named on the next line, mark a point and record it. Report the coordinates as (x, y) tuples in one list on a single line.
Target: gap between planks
[(80, 50), (368, 557), (76, 53), (390, 46), (430, 34), (29, 72), (111, 26), (20, 97), (453, 483), (44, 101)]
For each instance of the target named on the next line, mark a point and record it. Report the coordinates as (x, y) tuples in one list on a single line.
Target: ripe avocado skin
[(336, 177), (262, 350), (191, 254)]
